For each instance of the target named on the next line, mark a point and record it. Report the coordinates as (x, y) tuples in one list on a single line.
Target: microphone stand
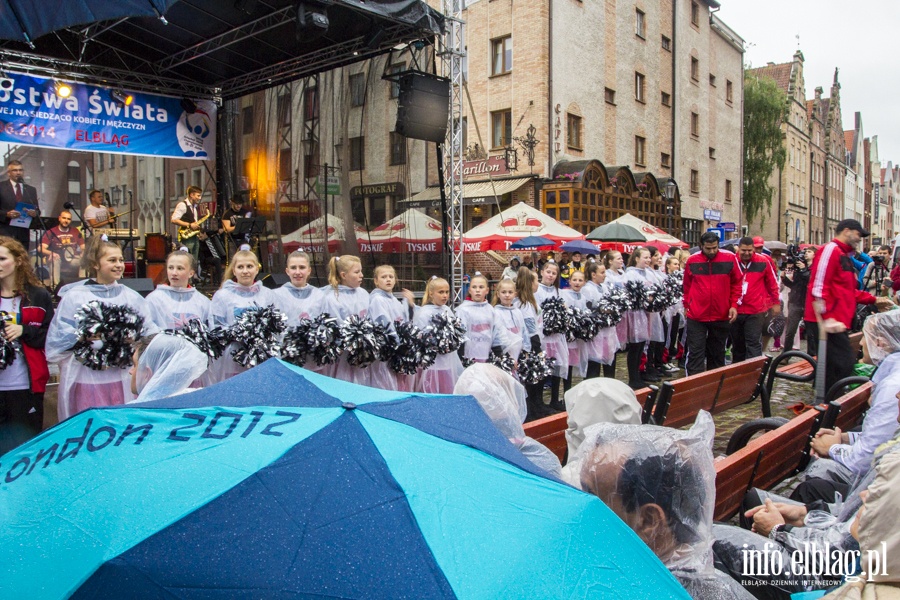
[(88, 230)]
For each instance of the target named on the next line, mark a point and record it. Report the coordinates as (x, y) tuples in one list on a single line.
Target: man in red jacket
[(833, 294), (712, 286), (759, 293)]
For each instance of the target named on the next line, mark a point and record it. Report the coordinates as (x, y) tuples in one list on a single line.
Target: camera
[(878, 259), (793, 255)]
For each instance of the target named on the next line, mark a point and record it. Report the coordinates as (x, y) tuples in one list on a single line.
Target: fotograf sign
[(92, 120)]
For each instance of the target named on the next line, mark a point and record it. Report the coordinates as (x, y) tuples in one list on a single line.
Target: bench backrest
[(734, 476), (713, 391), (853, 405)]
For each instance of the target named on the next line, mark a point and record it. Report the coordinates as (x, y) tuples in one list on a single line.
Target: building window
[(395, 70), (285, 160), (695, 181), (609, 95), (666, 99), (695, 124), (311, 104), (247, 120), (639, 25), (501, 128), (695, 14), (100, 163), (729, 92), (639, 86), (124, 160), (640, 145), (73, 172), (284, 110), (573, 131), (357, 89), (666, 43), (357, 153), (501, 55), (727, 190), (665, 160), (180, 182), (112, 161), (712, 80), (311, 160), (712, 152), (695, 69), (398, 149)]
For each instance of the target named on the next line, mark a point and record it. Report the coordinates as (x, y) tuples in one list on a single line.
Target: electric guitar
[(186, 233)]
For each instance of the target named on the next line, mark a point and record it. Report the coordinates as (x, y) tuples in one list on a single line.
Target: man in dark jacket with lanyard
[(833, 294), (712, 287), (759, 293)]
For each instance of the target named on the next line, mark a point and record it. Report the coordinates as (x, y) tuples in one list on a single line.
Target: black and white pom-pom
[(503, 362), (583, 325), (318, 339), (466, 361), (445, 334), (7, 352), (555, 316), (612, 307), (257, 331), (637, 295), (365, 341), (106, 334), (196, 332), (410, 353), (535, 367)]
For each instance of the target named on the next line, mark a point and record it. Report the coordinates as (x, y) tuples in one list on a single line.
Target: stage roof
[(223, 48)]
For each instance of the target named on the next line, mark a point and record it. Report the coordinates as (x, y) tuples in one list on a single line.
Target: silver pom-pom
[(445, 334), (211, 342), (318, 339), (555, 315), (534, 367), (410, 353), (257, 332), (502, 361), (7, 352), (106, 334), (364, 341)]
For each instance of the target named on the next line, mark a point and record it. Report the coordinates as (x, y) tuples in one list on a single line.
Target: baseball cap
[(759, 241), (851, 224)]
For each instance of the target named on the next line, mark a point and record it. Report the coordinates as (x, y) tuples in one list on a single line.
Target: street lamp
[(669, 192), (787, 226)]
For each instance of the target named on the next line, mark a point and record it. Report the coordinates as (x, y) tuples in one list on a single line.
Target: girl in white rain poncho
[(602, 349), (638, 321), (440, 377), (526, 286), (483, 330), (172, 306), (510, 317), (555, 345), (80, 387), (238, 293), (387, 310), (343, 298), (166, 367), (578, 349), (299, 300)]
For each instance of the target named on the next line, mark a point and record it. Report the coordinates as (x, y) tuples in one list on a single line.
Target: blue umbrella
[(579, 246), (284, 483), (532, 241)]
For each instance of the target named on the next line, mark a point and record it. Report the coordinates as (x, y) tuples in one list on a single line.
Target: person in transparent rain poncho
[(578, 349), (526, 303), (555, 345), (341, 299), (299, 300), (440, 377), (661, 482), (484, 332), (602, 349), (639, 322), (503, 400), (172, 306), (239, 292), (510, 317), (165, 367), (387, 310), (615, 277), (80, 387)]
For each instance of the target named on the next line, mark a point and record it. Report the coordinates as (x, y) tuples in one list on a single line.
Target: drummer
[(62, 246)]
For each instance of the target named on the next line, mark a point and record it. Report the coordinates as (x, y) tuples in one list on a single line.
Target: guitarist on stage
[(187, 218)]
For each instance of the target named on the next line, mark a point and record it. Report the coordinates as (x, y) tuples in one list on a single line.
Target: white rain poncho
[(657, 331), (614, 279), (503, 399), (227, 305), (167, 367), (534, 325), (172, 308), (882, 333), (598, 400), (555, 345), (298, 304), (638, 321), (385, 309), (341, 303), (603, 347), (631, 466), (512, 320), (578, 349), (80, 387), (440, 377), (483, 332)]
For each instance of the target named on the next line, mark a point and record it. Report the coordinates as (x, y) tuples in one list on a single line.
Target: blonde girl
[(509, 315), (638, 321), (555, 344), (440, 377), (602, 349), (80, 387), (342, 298), (578, 349), (615, 277), (483, 331), (674, 315), (239, 291), (526, 286), (296, 298), (172, 305), (386, 309)]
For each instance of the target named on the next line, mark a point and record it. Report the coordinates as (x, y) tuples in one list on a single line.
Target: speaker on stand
[(423, 106)]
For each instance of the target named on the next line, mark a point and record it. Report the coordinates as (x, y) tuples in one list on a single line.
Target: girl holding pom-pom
[(80, 387), (440, 377), (484, 334), (526, 286), (345, 297), (299, 300), (578, 349), (172, 306), (239, 291), (555, 344), (602, 349), (388, 310), (638, 320)]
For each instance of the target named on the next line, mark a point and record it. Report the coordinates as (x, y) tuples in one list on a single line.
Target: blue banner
[(92, 120)]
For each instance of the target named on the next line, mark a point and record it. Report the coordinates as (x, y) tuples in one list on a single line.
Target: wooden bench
[(805, 370), (714, 391), (551, 431)]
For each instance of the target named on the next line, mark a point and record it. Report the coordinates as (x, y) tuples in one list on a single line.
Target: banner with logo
[(32, 113)]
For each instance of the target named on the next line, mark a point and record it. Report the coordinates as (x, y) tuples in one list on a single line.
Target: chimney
[(819, 93)]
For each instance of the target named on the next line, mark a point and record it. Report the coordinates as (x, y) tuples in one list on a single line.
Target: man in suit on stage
[(13, 191)]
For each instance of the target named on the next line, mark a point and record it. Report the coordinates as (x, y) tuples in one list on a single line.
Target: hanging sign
[(91, 119)]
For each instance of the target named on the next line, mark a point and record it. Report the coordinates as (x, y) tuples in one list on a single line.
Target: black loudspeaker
[(275, 280), (423, 106), (142, 286)]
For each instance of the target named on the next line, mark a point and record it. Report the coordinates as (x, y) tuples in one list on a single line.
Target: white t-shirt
[(15, 376), (100, 213)]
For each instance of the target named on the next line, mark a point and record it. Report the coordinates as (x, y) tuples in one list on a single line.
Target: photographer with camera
[(796, 279)]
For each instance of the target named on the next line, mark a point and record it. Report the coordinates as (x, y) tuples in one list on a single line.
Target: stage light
[(63, 89), (121, 96)]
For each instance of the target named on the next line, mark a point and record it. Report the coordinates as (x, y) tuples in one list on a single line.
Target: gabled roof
[(849, 143), (780, 73)]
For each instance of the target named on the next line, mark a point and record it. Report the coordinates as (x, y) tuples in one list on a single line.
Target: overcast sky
[(860, 38)]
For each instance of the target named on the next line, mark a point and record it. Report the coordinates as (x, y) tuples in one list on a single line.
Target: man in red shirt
[(833, 294), (62, 245), (712, 286), (759, 293)]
